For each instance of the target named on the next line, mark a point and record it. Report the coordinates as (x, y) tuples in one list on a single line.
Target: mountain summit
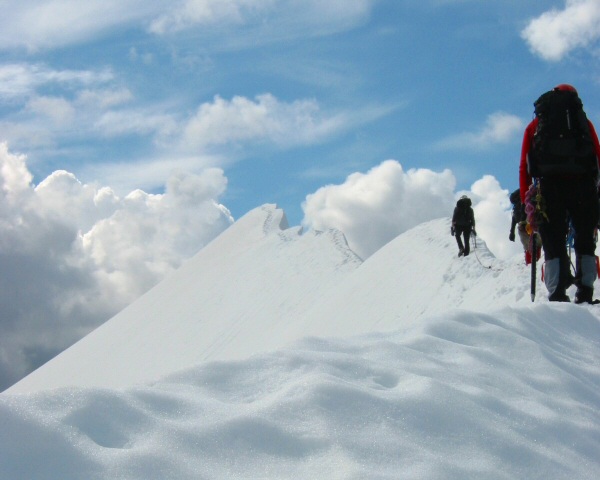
[(238, 296)]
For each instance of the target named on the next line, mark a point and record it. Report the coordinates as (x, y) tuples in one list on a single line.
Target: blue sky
[(106, 90), (132, 133)]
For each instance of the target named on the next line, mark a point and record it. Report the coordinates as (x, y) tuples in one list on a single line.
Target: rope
[(474, 243)]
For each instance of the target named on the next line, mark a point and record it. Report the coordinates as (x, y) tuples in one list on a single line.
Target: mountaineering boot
[(586, 270), (461, 247), (584, 294), (554, 280), (559, 296), (585, 277), (566, 277)]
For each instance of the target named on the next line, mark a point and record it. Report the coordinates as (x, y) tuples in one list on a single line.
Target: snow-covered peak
[(235, 298), (261, 285)]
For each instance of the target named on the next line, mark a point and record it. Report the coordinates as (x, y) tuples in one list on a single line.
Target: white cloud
[(140, 122), (54, 23), (500, 127), (92, 103), (286, 17), (557, 32), (86, 102), (373, 208), (145, 58), (201, 12), (492, 209), (149, 235), (63, 196), (36, 120), (264, 119), (72, 255), (149, 173), (57, 109), (104, 98), (21, 80)]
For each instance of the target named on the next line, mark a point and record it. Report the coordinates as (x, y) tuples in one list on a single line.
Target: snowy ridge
[(415, 275), (275, 218), (294, 360), (233, 299)]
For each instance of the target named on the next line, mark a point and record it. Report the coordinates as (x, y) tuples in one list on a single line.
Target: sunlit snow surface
[(415, 364)]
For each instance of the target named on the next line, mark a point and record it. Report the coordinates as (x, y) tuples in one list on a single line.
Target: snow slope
[(412, 365), (261, 285), (231, 300), (415, 275)]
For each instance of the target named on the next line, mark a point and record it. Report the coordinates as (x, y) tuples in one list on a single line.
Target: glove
[(474, 233), (452, 230), (511, 236)]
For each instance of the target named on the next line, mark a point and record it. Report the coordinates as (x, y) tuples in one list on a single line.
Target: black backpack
[(518, 211), (461, 212), (464, 203), (515, 198), (562, 143)]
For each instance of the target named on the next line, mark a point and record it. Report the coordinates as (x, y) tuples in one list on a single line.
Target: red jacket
[(524, 177)]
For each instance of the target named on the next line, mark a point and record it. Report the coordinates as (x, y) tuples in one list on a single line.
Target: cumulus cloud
[(374, 207), (72, 254), (499, 127), (555, 33), (265, 119), (492, 209)]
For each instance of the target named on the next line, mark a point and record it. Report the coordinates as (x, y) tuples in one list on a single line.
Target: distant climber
[(560, 156), (463, 224), (519, 221)]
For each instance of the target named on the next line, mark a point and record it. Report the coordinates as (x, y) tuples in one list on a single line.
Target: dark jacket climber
[(565, 196), (519, 220), (463, 223), (518, 213)]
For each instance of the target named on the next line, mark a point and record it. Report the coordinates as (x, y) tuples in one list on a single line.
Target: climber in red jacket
[(568, 188)]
